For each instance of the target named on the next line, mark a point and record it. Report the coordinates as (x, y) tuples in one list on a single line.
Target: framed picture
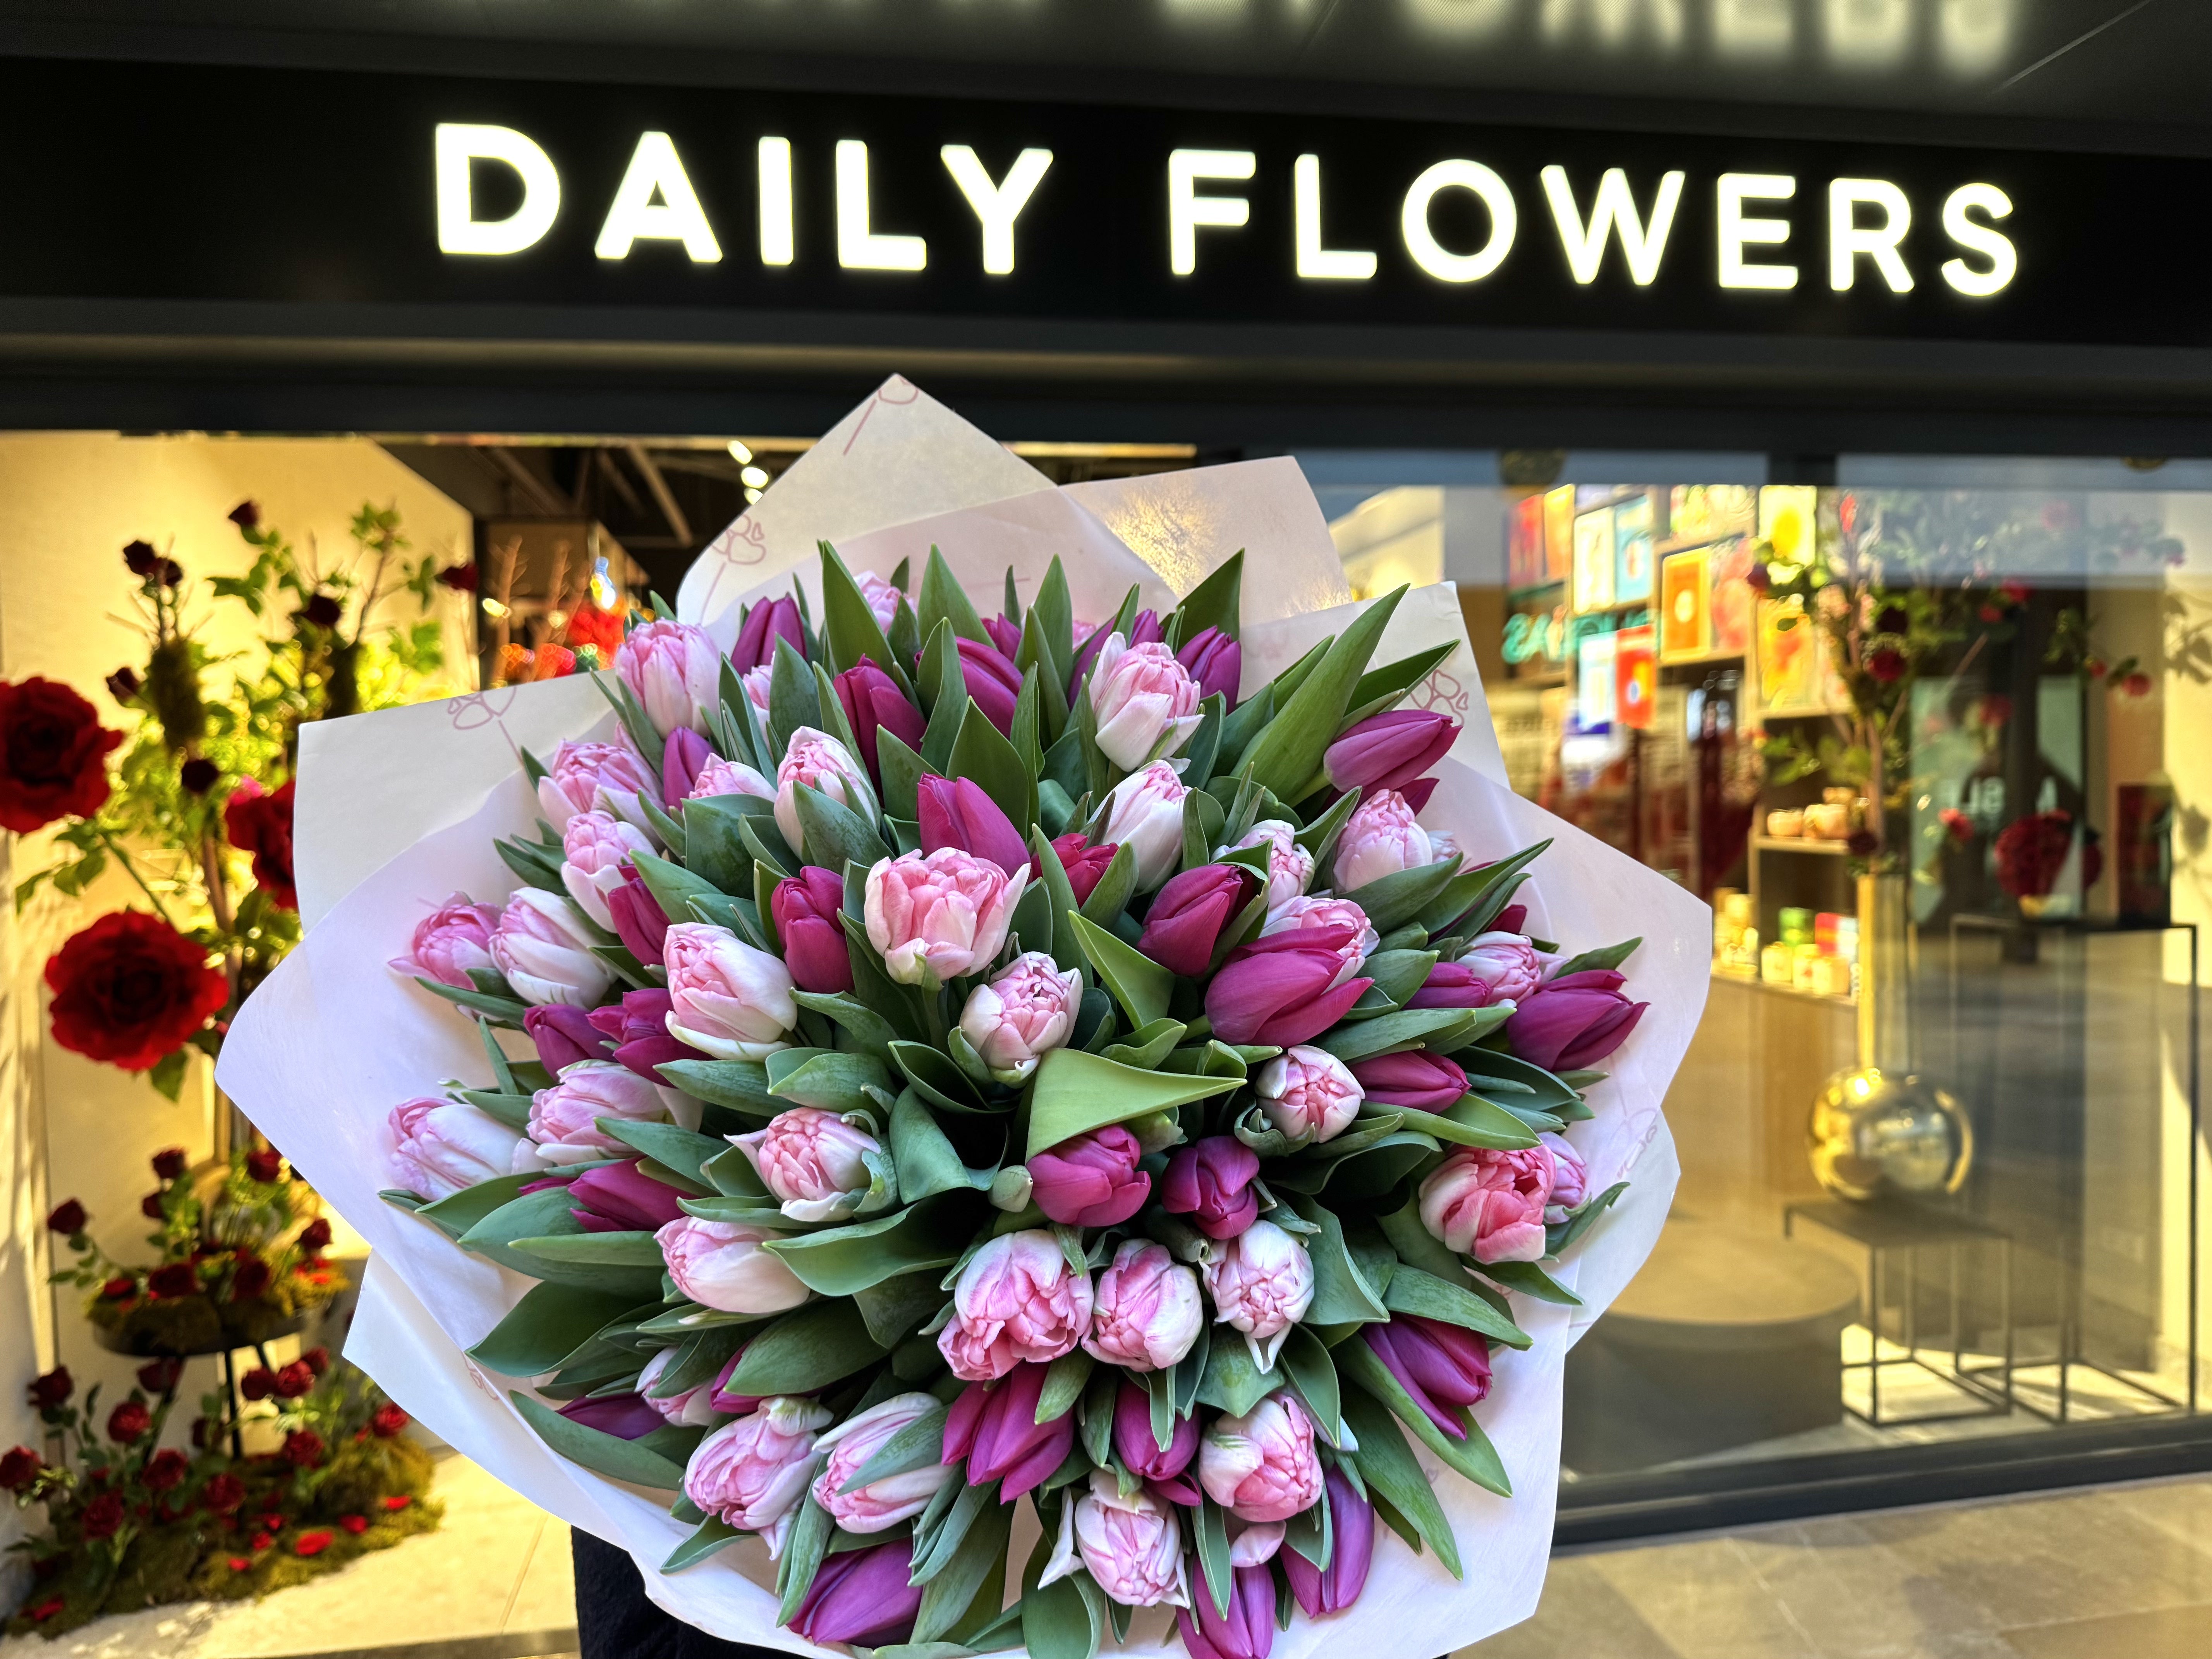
[(1635, 678), (1594, 559), (1632, 550), (1788, 518), (1685, 608), (1595, 692), (1732, 599), (1794, 673), (1524, 544), (1559, 533)]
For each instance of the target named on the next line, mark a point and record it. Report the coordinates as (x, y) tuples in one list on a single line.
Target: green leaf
[(943, 600), (1305, 1357), (739, 1084), (1058, 1621), (1417, 1292), (1073, 1092), (802, 1554), (1472, 1121), (983, 754), (951, 1588), (600, 1452), (1471, 903), (544, 1214), (1474, 1457), (828, 1080), (1211, 1537), (1231, 1381), (1611, 957), (1288, 754), (672, 886), (896, 1305), (849, 630), (839, 1260), (925, 1159), (1382, 688), (1063, 1385), (1067, 953), (615, 1249), (793, 698), (1405, 1029), (1542, 1090), (549, 1323), (1342, 1294), (500, 1010), (1110, 898), (1417, 1247), (1214, 603), (166, 1074), (1393, 900), (835, 834), (1530, 1280), (681, 1150), (1147, 1046), (1399, 974), (711, 1536), (455, 1214), (714, 850), (936, 1078), (1387, 1463), (807, 1350), (1559, 1239), (920, 1444), (1140, 984), (1364, 1173), (903, 770)]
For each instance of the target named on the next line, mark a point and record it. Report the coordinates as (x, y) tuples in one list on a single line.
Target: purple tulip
[(805, 907), (1086, 652), (1441, 1366), (639, 921), (639, 1025), (1215, 661), (1135, 1444), (958, 812), (625, 1416), (564, 1036), (681, 757), (1188, 913), (1145, 630), (994, 1426), (992, 681), (1390, 751), (1005, 633), (1573, 1022), (735, 1405), (621, 1198), (861, 1597), (872, 701), (1211, 1182), (1511, 919), (763, 625), (1415, 1077), (1085, 865), (1248, 1631), (1281, 990), (1335, 1586), (1091, 1180)]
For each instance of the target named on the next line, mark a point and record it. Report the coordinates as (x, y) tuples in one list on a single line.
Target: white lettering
[(1753, 28), (654, 169), (1615, 206), (1431, 255), (860, 248), (996, 205), (459, 231), (1848, 239), (1977, 238), (1736, 232), (1316, 263), (1613, 21), (1188, 209), (777, 238), (1868, 33)]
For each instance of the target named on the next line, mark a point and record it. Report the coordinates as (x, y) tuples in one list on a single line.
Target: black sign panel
[(184, 182)]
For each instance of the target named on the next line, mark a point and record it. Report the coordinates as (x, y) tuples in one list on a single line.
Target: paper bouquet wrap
[(1013, 1076)]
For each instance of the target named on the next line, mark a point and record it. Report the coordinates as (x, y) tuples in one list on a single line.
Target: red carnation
[(315, 1236), (130, 989), (264, 1164), (53, 755), (356, 1524), (222, 1494), (160, 1375), (165, 1470), (176, 1278), (128, 1422), (169, 1163), (52, 1390), (120, 1289), (68, 1217), (249, 1279), (303, 1448), (18, 1468), (312, 1543), (388, 1421), (260, 823)]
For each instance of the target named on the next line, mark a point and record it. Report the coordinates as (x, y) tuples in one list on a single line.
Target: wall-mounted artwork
[(1594, 559)]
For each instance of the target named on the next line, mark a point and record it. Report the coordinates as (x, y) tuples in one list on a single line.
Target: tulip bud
[(681, 757), (726, 999), (625, 1416), (721, 777), (1570, 1179), (994, 1426), (1144, 702), (564, 1119), (1028, 1009), (720, 1265), (585, 776), (815, 760), (1390, 750), (1441, 1366), (1341, 916), (595, 848), (1261, 1282), (1262, 1466), (1498, 967), (1016, 1300), (1187, 915), (1147, 1309), (639, 1026), (939, 916), (439, 1147), (451, 940), (693, 1408), (1247, 1631), (1573, 1022), (1131, 1546), (639, 921), (1090, 1180), (1352, 1523), (734, 1404), (1283, 991), (1211, 1182), (1308, 1094), (805, 907), (621, 1198), (991, 680), (1215, 661), (541, 946), (1290, 867), (1143, 1455), (1144, 814), (1489, 1204), (761, 626), (1005, 633), (958, 812), (888, 1499), (675, 672), (861, 1598), (564, 1036), (883, 599), (872, 701), (1414, 1078), (751, 1473), (1084, 864), (1380, 839), (818, 1166)]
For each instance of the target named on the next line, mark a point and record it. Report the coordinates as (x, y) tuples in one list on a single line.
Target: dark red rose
[(264, 1164), (53, 755), (2136, 684), (314, 1543), (128, 1422), (119, 1290), (260, 823), (222, 1494), (171, 573), (130, 989), (1759, 579), (1886, 664), (388, 1421), (461, 578), (176, 1278), (18, 1468), (397, 1502), (151, 1206), (1862, 843), (198, 776), (262, 1540), (160, 1375), (52, 1390), (165, 1470), (303, 1448), (317, 1360), (323, 610), (103, 1515), (68, 1217), (315, 1236), (295, 1380), (356, 1524), (258, 1383), (140, 558), (249, 1279), (246, 515), (124, 684), (1991, 613), (169, 1163)]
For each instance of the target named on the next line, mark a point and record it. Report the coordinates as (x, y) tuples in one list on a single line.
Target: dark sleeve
[(616, 1620)]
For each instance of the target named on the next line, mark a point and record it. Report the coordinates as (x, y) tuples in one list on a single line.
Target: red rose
[(388, 1421), (461, 578), (68, 1217), (312, 1543), (303, 1448), (119, 1290), (260, 823), (262, 1540), (18, 1468), (103, 1515), (295, 1380), (222, 1494), (240, 1564), (47, 1608), (317, 1360), (165, 1470), (356, 1524), (265, 1165), (177, 1278), (258, 1383), (1886, 664), (249, 1279), (198, 776), (160, 1375), (2136, 684), (53, 755), (272, 1522), (128, 1422), (169, 1163), (151, 1206), (246, 515), (315, 1236), (52, 1390), (130, 989)]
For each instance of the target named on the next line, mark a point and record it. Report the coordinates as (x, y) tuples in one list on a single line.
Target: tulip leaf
[(1406, 1029), (497, 1011), (1559, 1239), (1034, 652), (1386, 1464), (608, 1249), (1474, 1457), (834, 833), (712, 849), (1232, 1383), (1241, 725), (868, 1028), (1529, 1280), (1217, 602), (920, 1444), (849, 630), (1341, 1293), (1063, 1385), (1393, 900), (926, 1159), (642, 736), (1472, 904), (828, 1080), (1145, 1047), (672, 886), (794, 699), (943, 600), (1101, 1389), (839, 1260), (1420, 1294), (1286, 754), (455, 1214), (819, 1343), (1190, 1370), (959, 1568), (936, 1078), (983, 754), (1472, 1121), (1478, 1024), (1032, 920), (1319, 838), (548, 1326), (1059, 1620), (1398, 974), (597, 1450), (802, 1551), (1363, 1172), (1074, 1092), (1140, 984), (712, 1536), (1312, 1375), (1066, 954), (1546, 1091), (1210, 1535), (539, 1215), (1110, 898), (1310, 1534), (1381, 689), (682, 1149), (739, 1084), (896, 1306)]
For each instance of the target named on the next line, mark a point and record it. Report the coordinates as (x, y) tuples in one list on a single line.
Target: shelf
[(1724, 976), (1796, 844)]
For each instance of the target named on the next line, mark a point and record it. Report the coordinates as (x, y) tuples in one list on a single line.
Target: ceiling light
[(755, 478), (739, 454), (751, 495)]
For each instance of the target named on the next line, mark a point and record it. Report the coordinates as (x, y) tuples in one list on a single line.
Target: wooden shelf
[(1800, 844)]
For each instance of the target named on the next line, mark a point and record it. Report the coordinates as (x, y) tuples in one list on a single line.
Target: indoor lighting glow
[(751, 495), (776, 237), (1314, 261), (740, 453), (755, 478)]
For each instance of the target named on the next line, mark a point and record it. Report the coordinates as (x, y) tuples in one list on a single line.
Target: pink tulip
[(1085, 865), (751, 1473), (888, 1499), (861, 1598), (721, 777), (1256, 1544), (564, 1036), (1130, 1546), (758, 684), (805, 907), (621, 1198), (564, 1120), (1144, 702), (1026, 1011), (1247, 1631), (939, 916), (1380, 839), (639, 921), (1351, 1521), (815, 760), (726, 999), (958, 812), (1441, 1366), (873, 702), (1148, 1312), (1215, 661), (1340, 916), (1262, 1466), (1185, 921), (1144, 814), (991, 680), (595, 848), (1570, 1179), (1143, 1455), (1017, 1299), (441, 1147), (882, 598), (1308, 1094), (451, 940), (814, 1162), (1390, 750), (1496, 968), (681, 757), (675, 672), (639, 1025), (1091, 1180), (1489, 1204), (542, 947), (1290, 867), (994, 1426), (1283, 991), (720, 1265), (625, 1416), (1574, 1021), (1414, 1078), (1210, 1180), (585, 776), (1261, 1282), (693, 1408), (763, 625)]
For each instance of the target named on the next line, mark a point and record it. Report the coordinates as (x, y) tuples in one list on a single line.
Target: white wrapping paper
[(397, 810)]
